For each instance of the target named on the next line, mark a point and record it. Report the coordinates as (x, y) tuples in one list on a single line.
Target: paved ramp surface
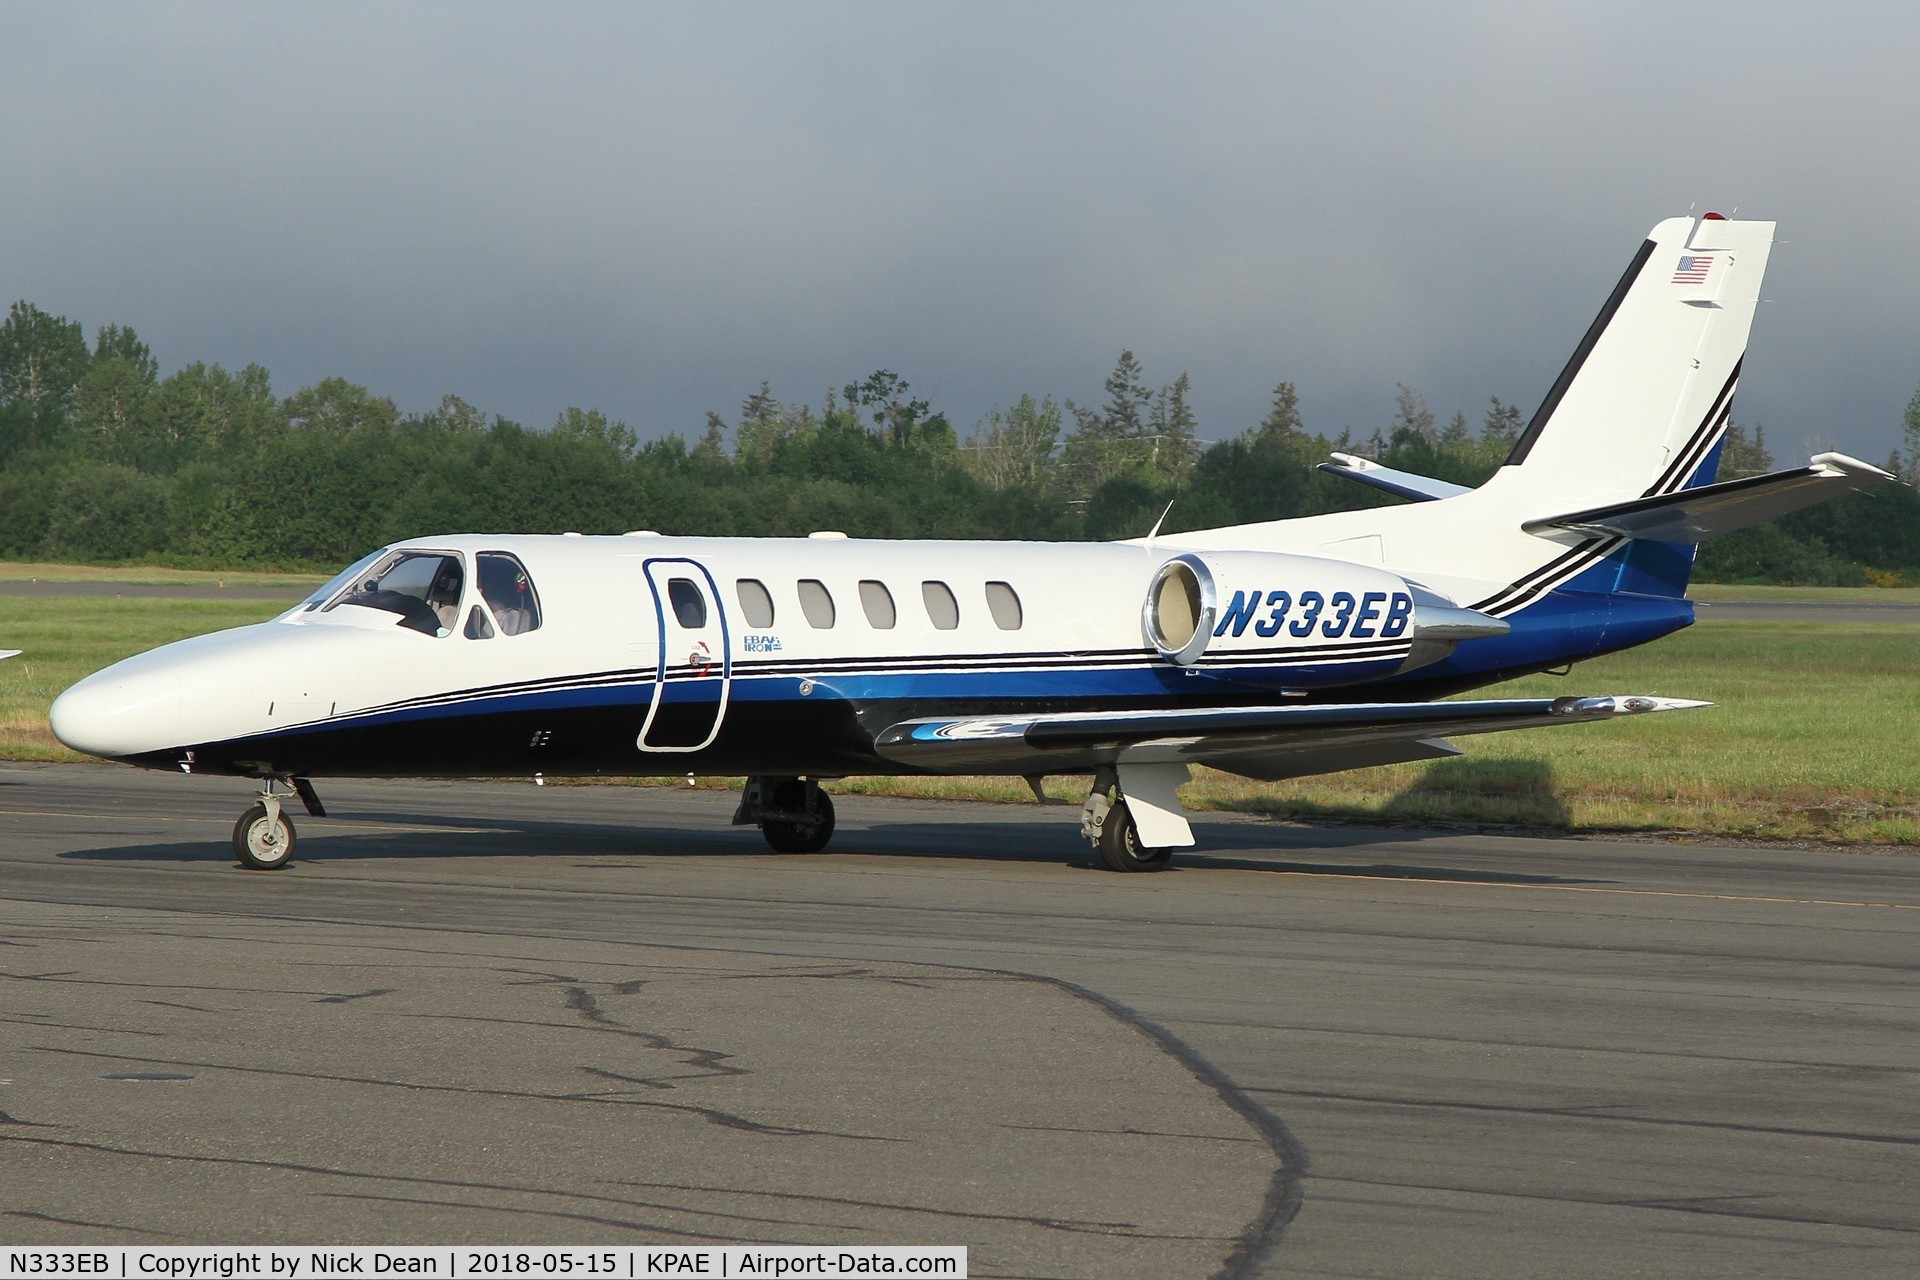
[(499, 1012)]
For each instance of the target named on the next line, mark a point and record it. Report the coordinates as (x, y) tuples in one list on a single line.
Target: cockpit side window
[(508, 592), (423, 587)]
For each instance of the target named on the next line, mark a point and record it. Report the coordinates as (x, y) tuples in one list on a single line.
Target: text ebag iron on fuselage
[(1271, 650)]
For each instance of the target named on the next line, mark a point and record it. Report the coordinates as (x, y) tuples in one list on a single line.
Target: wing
[(1257, 742)]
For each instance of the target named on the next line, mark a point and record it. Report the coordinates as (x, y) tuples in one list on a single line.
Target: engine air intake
[(1179, 610)]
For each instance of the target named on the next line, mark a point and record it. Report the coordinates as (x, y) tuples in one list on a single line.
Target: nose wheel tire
[(263, 844), (1120, 846), (809, 830)]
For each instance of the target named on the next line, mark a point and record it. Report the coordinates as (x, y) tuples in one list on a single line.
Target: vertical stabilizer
[(1641, 407), (1638, 413)]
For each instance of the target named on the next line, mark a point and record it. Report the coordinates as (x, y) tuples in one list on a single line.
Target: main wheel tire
[(1120, 846), (799, 835), (263, 845)]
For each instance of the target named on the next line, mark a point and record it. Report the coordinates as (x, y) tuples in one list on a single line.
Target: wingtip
[(1627, 704), (1638, 704)]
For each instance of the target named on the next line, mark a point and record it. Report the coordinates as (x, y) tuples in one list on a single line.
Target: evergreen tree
[(1283, 416), (1107, 443), (1174, 431), (1742, 455), (713, 441), (1411, 412), (1125, 394), (1502, 425)]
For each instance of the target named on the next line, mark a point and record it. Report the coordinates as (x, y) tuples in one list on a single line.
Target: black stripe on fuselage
[(1583, 556)]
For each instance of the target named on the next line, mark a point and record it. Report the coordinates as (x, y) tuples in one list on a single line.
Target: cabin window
[(816, 603), (689, 606), (942, 609), (508, 592), (1004, 605), (423, 587), (878, 602), (756, 603), (478, 628)]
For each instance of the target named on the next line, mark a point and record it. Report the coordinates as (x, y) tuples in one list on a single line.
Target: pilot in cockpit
[(444, 594)]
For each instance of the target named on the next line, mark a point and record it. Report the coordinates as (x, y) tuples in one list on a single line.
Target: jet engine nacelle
[(1225, 602)]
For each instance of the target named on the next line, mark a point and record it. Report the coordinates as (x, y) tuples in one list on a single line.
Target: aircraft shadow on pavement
[(1223, 846), (1520, 790)]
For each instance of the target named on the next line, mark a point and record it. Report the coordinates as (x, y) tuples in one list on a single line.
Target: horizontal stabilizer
[(8, 653), (1402, 484), (1263, 742), (1694, 515)]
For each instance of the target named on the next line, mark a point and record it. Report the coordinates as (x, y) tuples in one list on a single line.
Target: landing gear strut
[(1110, 828), (264, 838), (794, 814)]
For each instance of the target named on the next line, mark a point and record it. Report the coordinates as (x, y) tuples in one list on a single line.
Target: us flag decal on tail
[(1693, 269)]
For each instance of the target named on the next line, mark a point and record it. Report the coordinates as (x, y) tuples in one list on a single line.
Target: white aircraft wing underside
[(1258, 742)]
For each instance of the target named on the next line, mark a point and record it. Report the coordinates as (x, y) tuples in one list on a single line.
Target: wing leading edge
[(1267, 743)]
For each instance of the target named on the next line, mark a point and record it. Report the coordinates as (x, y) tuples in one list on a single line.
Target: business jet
[(1270, 650)]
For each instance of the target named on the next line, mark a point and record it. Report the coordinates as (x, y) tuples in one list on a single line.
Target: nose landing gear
[(264, 837)]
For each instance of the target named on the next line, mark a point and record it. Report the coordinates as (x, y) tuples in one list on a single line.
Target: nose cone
[(126, 710)]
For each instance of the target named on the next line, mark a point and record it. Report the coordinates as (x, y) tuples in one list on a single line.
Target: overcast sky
[(648, 209)]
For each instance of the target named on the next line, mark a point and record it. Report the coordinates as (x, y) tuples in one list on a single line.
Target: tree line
[(104, 460)]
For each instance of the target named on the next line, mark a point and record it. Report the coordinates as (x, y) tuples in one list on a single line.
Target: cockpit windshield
[(340, 580), (423, 587)]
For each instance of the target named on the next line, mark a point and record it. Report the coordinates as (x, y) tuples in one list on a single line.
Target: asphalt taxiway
[(496, 1012)]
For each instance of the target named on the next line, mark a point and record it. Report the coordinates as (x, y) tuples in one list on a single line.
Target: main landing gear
[(794, 814), (1108, 824), (264, 838)]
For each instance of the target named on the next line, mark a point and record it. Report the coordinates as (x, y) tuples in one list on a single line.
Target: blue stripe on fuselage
[(1567, 625)]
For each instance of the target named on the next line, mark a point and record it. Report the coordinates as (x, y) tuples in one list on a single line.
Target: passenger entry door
[(691, 682)]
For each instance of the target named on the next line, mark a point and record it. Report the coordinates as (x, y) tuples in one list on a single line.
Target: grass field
[(1813, 735), (151, 575)]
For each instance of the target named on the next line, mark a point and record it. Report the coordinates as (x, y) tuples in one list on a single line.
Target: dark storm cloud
[(649, 209)]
